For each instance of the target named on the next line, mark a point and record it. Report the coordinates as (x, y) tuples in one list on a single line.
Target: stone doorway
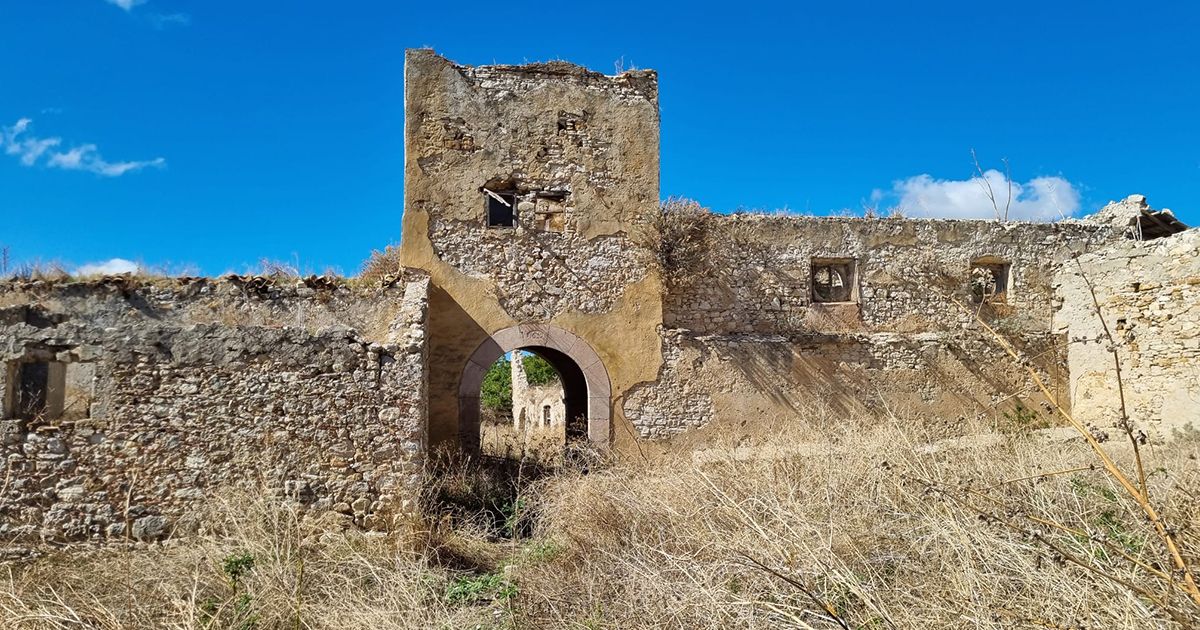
[(587, 392)]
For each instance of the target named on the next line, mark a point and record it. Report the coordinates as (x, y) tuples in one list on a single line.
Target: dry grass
[(383, 267), (866, 526), (257, 565), (872, 530), (544, 446)]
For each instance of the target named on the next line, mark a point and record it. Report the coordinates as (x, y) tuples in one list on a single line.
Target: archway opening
[(532, 403), (586, 404)]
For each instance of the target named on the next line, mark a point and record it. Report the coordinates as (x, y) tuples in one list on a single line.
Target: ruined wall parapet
[(640, 84), (755, 273), (310, 303)]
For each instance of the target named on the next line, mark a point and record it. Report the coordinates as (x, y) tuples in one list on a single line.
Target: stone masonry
[(195, 385), (1149, 298)]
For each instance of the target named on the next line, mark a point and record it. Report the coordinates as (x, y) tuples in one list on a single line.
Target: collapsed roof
[(1140, 221)]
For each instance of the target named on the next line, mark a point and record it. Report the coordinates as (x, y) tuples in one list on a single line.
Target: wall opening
[(48, 390), (500, 208), (583, 409), (990, 280), (37, 390), (550, 211), (832, 280)]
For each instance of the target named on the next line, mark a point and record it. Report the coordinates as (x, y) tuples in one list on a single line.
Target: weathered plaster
[(1149, 297)]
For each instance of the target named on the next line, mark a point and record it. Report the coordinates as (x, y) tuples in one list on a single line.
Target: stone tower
[(528, 193)]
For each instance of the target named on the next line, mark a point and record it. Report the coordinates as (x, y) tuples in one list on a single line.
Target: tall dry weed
[(832, 522), (873, 530)]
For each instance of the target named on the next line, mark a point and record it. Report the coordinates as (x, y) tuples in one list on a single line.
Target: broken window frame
[(845, 269), (493, 214), (999, 271)]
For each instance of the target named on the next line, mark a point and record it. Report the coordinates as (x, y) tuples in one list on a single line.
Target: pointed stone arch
[(586, 386)]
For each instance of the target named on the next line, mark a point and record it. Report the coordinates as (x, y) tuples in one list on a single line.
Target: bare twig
[(800, 586), (986, 186), (1126, 425)]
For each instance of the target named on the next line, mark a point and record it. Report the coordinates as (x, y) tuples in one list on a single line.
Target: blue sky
[(217, 133)]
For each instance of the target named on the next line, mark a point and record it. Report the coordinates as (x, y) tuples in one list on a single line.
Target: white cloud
[(1039, 199), (127, 4), (29, 149), (107, 268)]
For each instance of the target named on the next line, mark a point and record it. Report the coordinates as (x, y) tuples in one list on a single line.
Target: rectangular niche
[(49, 390), (833, 281), (35, 390), (550, 211)]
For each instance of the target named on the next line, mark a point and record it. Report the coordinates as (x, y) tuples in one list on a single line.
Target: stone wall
[(313, 390), (744, 380), (1149, 296), (745, 336), (752, 273)]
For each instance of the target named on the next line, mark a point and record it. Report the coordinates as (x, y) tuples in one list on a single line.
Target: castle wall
[(184, 387), (1149, 296), (738, 381), (745, 337)]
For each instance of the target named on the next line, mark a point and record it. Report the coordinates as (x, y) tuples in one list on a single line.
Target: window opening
[(550, 211), (833, 281), (989, 280), (501, 208), (38, 391)]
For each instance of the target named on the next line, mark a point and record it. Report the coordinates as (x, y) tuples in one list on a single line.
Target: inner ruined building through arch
[(523, 407), (586, 388)]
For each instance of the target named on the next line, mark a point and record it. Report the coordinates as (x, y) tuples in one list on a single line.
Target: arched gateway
[(587, 391)]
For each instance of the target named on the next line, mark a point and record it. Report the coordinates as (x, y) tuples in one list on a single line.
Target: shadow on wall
[(791, 374), (453, 336)]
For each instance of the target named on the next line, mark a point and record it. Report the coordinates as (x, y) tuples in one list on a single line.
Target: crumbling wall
[(200, 384), (750, 331), (753, 273), (1149, 296)]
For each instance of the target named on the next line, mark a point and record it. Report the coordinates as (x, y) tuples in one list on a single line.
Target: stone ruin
[(532, 222)]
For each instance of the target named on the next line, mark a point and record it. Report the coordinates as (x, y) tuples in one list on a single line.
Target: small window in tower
[(501, 208), (990, 280), (545, 415), (833, 280)]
